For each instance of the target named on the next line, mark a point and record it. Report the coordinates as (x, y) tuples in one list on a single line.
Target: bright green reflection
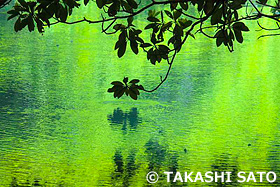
[(217, 112)]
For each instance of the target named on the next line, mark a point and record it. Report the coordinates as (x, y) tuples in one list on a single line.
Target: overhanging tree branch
[(168, 28)]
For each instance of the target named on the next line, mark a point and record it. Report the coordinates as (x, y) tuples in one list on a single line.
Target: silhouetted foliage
[(131, 88), (169, 28)]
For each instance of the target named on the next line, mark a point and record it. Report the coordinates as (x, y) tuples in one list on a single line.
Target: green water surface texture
[(218, 111)]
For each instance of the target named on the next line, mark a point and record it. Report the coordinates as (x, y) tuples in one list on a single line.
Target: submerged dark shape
[(128, 120), (125, 169)]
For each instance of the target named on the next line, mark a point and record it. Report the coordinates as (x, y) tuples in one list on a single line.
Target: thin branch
[(118, 17), (166, 75), (200, 21), (182, 43), (105, 30), (5, 3), (260, 14), (263, 28), (190, 16), (201, 31), (266, 35)]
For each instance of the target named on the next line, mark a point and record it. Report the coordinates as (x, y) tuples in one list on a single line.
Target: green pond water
[(218, 111)]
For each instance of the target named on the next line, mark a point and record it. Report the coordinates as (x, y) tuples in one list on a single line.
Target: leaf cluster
[(130, 88), (38, 13)]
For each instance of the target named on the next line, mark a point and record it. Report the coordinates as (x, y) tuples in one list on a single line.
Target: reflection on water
[(127, 120), (14, 183), (125, 169), (224, 163), (59, 127), (156, 154)]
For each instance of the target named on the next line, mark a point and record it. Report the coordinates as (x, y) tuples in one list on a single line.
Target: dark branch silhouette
[(169, 28)]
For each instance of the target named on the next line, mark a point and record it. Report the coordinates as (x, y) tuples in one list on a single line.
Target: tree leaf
[(238, 35), (129, 21), (132, 3), (122, 49), (217, 16), (173, 5), (117, 83), (220, 38), (184, 5), (12, 16), (185, 23), (137, 32), (139, 39), (140, 87), (86, 2), (168, 14), (114, 8), (100, 3), (17, 25), (145, 45), (23, 3), (30, 24), (153, 19), (118, 27), (13, 12), (134, 81), (134, 46), (240, 26), (151, 25), (125, 79), (177, 14), (122, 36), (119, 92), (163, 48), (118, 44), (132, 94)]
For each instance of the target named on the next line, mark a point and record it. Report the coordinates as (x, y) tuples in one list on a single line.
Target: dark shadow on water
[(35, 183), (125, 169), (273, 159), (224, 163), (161, 159), (156, 154), (157, 157), (28, 183), (13, 102), (125, 120)]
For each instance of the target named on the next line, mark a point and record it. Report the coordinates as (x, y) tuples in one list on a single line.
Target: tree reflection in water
[(157, 156), (223, 163), (126, 119), (125, 169)]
